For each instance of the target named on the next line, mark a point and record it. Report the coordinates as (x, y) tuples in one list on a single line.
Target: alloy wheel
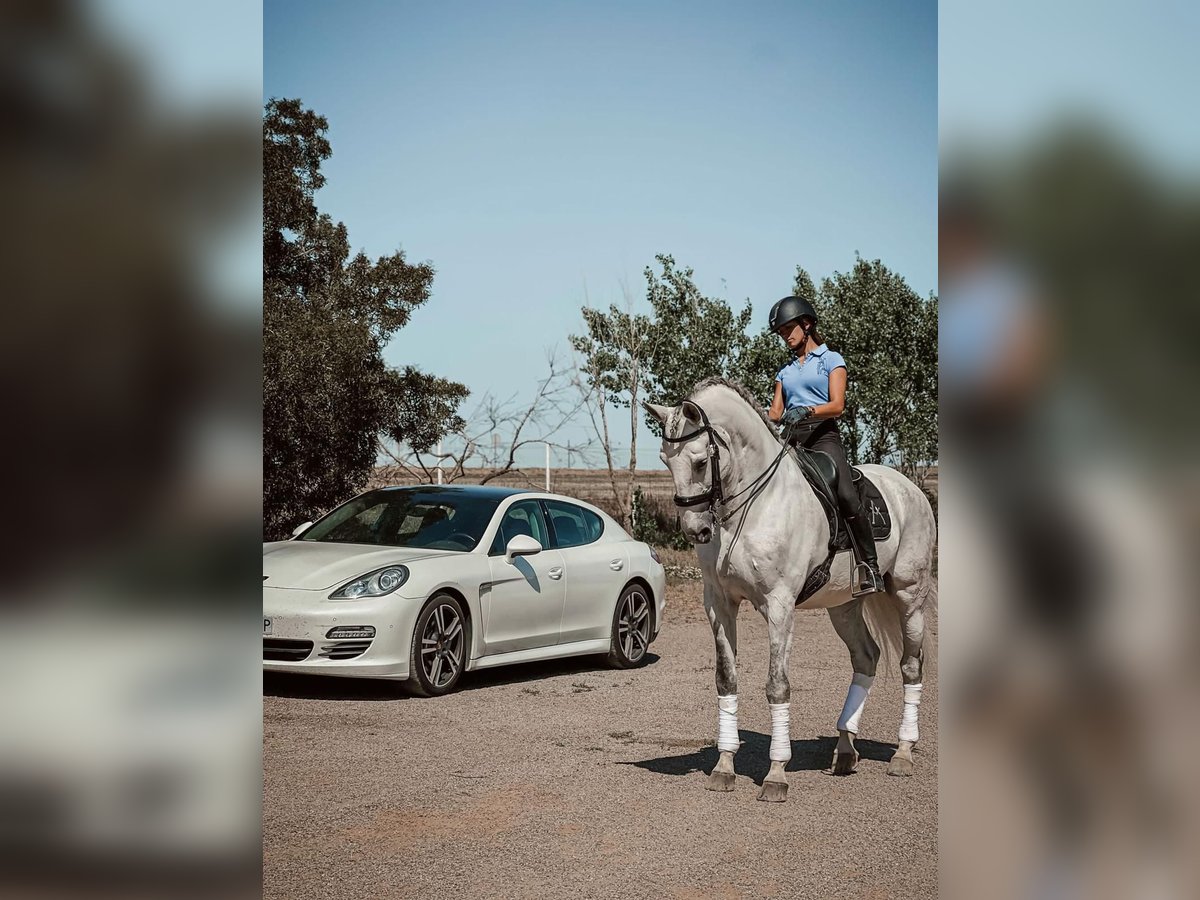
[(442, 645), (633, 625)]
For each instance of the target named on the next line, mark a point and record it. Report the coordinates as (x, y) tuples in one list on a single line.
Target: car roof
[(473, 490), (565, 498)]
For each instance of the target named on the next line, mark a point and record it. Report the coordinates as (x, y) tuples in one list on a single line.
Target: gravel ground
[(570, 779)]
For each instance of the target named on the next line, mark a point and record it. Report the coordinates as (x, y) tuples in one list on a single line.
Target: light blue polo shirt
[(976, 320), (807, 383)]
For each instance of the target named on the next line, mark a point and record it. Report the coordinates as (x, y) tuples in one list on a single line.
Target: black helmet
[(789, 309)]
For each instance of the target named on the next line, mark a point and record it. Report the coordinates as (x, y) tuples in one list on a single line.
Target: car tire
[(438, 653), (632, 628)]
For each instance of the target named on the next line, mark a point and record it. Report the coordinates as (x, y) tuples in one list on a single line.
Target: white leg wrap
[(908, 721), (856, 699), (727, 730), (781, 732)]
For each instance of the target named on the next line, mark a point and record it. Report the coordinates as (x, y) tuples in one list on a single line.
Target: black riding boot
[(864, 541)]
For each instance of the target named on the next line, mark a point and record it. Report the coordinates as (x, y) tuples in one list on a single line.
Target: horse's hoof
[(844, 764), (721, 781), (901, 766), (774, 791)]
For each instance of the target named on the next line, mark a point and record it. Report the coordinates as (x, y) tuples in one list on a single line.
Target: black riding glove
[(795, 415)]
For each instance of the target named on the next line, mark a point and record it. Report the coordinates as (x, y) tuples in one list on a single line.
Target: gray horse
[(759, 530)]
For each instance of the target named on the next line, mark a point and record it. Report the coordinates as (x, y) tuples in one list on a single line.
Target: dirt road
[(574, 780)]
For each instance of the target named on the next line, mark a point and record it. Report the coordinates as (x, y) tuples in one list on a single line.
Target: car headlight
[(373, 584)]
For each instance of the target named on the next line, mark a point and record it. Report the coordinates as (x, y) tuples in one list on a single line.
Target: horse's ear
[(691, 411), (659, 412)]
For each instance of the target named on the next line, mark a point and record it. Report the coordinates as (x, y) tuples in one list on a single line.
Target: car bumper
[(300, 623)]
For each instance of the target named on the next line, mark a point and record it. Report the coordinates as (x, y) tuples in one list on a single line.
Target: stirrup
[(866, 581)]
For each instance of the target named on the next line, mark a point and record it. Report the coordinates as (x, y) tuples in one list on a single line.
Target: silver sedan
[(425, 583)]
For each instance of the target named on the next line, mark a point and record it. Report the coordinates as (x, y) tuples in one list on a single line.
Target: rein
[(715, 495)]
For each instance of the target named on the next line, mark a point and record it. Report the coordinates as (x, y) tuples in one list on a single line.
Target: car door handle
[(556, 572), (617, 565)]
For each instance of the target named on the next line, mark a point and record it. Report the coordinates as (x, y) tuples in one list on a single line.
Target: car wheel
[(438, 653), (631, 628)]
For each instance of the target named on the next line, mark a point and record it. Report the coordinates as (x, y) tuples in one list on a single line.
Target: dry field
[(582, 483)]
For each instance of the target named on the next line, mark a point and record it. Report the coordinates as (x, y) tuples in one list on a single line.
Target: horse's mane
[(738, 388)]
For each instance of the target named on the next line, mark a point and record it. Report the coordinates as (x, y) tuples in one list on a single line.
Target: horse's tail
[(883, 620)]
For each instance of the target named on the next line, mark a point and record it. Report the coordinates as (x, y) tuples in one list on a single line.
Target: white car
[(424, 583)]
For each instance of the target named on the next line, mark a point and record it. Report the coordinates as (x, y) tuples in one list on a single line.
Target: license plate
[(266, 626)]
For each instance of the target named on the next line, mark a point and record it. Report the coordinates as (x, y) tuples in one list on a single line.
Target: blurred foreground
[(1069, 476), (129, 171), (1069, 481)]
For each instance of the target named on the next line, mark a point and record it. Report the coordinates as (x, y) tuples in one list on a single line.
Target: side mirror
[(301, 528), (521, 545)]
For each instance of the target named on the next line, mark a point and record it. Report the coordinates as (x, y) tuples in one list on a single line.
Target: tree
[(686, 338), (698, 336), (328, 396), (888, 335), (614, 356), (495, 431)]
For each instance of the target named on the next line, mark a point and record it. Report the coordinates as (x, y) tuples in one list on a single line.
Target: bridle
[(715, 495)]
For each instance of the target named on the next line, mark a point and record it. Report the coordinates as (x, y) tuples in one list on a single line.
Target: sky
[(541, 154), (1132, 66)]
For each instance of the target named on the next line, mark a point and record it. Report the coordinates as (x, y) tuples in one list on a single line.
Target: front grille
[(344, 649), (283, 650)]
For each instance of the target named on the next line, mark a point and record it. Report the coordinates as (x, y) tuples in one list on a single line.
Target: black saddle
[(822, 474)]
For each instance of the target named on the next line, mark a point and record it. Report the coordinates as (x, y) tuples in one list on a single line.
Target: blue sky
[(537, 151), (1129, 65)]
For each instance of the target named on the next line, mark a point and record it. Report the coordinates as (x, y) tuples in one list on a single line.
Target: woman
[(810, 393)]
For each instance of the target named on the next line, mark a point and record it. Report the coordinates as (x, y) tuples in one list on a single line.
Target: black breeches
[(825, 438)]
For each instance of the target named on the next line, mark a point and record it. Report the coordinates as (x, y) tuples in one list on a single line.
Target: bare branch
[(496, 429)]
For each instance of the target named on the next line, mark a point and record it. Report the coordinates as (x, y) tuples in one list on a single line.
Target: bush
[(655, 525)]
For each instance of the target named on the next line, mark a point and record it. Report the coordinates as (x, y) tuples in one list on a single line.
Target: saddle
[(822, 475)]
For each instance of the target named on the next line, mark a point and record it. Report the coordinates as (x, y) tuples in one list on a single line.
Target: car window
[(573, 525), (524, 517), (419, 517)]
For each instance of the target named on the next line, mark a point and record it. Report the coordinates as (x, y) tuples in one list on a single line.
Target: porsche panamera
[(422, 584)]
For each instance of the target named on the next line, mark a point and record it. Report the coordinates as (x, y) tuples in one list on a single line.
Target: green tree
[(615, 352), (698, 336), (328, 396), (888, 335)]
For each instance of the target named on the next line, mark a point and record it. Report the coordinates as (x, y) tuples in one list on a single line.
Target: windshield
[(431, 520)]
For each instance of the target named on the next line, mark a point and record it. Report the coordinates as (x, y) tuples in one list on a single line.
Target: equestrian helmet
[(789, 309)]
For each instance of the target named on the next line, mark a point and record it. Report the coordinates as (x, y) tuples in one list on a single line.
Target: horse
[(759, 530)]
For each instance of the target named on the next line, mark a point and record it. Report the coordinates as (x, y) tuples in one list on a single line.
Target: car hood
[(314, 565)]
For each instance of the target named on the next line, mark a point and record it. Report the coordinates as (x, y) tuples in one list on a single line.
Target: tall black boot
[(870, 580)]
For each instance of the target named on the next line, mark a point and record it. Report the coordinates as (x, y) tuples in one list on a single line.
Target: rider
[(810, 392)]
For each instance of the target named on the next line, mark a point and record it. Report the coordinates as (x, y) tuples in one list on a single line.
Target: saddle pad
[(874, 507)]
